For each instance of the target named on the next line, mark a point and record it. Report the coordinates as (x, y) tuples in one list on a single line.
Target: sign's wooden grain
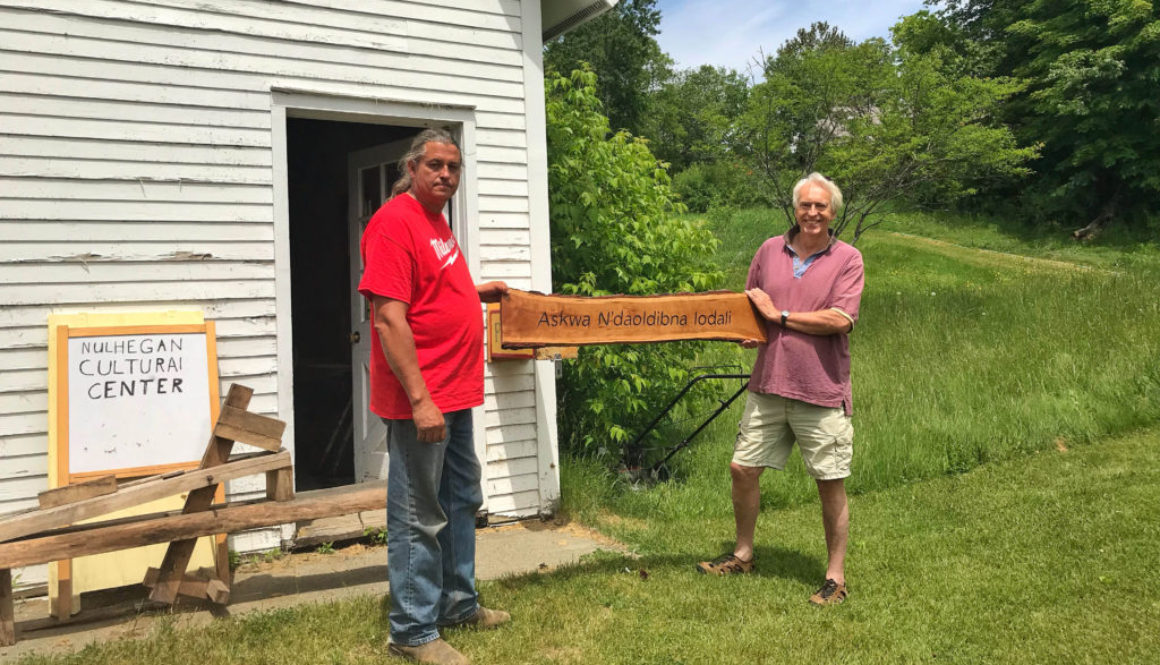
[(532, 319)]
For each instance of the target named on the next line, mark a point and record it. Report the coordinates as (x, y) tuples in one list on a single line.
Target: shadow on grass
[(773, 562)]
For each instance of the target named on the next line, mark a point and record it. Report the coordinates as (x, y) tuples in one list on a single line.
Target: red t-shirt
[(410, 255)]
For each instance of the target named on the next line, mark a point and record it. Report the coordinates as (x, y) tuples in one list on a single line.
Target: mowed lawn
[(1006, 480), (1049, 559)]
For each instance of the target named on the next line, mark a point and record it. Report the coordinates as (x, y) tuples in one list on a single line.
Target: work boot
[(483, 619), (435, 652)]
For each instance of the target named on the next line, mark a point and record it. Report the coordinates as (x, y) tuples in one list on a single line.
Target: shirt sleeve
[(389, 271), (846, 294), (754, 277)]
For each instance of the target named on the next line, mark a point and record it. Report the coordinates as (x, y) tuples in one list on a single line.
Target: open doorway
[(322, 248)]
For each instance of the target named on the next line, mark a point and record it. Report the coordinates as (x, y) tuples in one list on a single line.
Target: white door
[(370, 173)]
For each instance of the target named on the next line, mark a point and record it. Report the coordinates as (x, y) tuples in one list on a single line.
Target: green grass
[(1052, 558)]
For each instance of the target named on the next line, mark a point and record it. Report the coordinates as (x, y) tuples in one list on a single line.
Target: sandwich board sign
[(130, 394)]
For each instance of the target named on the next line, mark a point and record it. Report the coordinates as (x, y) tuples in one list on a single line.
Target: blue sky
[(730, 33)]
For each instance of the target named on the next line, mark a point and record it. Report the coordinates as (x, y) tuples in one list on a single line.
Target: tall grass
[(961, 357)]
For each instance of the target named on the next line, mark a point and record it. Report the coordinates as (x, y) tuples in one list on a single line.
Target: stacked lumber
[(50, 532)]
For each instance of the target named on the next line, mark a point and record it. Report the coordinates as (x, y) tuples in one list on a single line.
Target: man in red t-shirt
[(800, 388), (426, 375)]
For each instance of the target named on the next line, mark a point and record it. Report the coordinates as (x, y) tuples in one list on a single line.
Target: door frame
[(364, 424), (317, 105)]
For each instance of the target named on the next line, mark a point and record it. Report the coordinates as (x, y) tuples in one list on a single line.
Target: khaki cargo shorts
[(771, 424)]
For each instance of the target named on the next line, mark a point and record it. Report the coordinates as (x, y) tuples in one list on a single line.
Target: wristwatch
[(784, 317)]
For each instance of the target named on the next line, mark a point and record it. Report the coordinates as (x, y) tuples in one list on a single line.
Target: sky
[(730, 33)]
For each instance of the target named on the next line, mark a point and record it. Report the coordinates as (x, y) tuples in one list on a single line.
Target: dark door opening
[(320, 275)]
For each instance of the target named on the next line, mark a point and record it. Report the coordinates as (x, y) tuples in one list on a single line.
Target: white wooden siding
[(136, 174)]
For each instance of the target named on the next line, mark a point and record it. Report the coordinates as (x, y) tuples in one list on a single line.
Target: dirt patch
[(566, 527)]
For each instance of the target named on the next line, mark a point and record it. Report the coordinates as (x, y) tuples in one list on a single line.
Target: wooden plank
[(238, 313), (499, 384), (504, 237), (89, 539), (280, 484), (336, 64), (7, 610), (218, 592), (512, 450), (198, 585), (510, 468), (22, 423), (250, 428), (41, 83), (498, 435), (117, 110), (69, 167), (63, 607), (226, 43), (28, 444), (508, 417), (217, 452), (509, 401), (291, 72), (135, 493), (110, 231), (300, 24), (125, 292), (513, 485), (32, 125), (150, 158), (73, 493), (493, 203), (109, 272), (199, 251), (142, 211), (520, 503), (17, 489)]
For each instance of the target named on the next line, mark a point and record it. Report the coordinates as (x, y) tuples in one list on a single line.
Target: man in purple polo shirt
[(807, 285)]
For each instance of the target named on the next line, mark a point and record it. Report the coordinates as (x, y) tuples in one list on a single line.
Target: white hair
[(818, 178)]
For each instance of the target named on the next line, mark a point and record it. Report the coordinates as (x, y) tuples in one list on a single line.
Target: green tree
[(694, 114), (621, 48), (887, 124), (615, 230), (1092, 71)]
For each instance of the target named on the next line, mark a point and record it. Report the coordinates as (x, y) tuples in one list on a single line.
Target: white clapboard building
[(222, 156)]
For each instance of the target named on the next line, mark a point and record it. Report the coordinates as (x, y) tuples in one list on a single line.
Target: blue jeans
[(433, 494)]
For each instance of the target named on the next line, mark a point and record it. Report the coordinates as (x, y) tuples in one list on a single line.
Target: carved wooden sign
[(532, 319)]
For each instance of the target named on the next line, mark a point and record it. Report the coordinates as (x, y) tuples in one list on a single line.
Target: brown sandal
[(831, 593), (726, 564)]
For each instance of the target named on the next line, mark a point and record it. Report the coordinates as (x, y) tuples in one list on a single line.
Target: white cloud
[(731, 33)]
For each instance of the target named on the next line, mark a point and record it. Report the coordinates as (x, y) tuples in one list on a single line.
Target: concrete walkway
[(295, 578)]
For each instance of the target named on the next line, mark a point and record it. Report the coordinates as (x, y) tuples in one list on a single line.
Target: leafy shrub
[(718, 184), (616, 229)]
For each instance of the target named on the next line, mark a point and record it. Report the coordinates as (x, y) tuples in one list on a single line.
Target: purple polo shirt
[(809, 368)]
